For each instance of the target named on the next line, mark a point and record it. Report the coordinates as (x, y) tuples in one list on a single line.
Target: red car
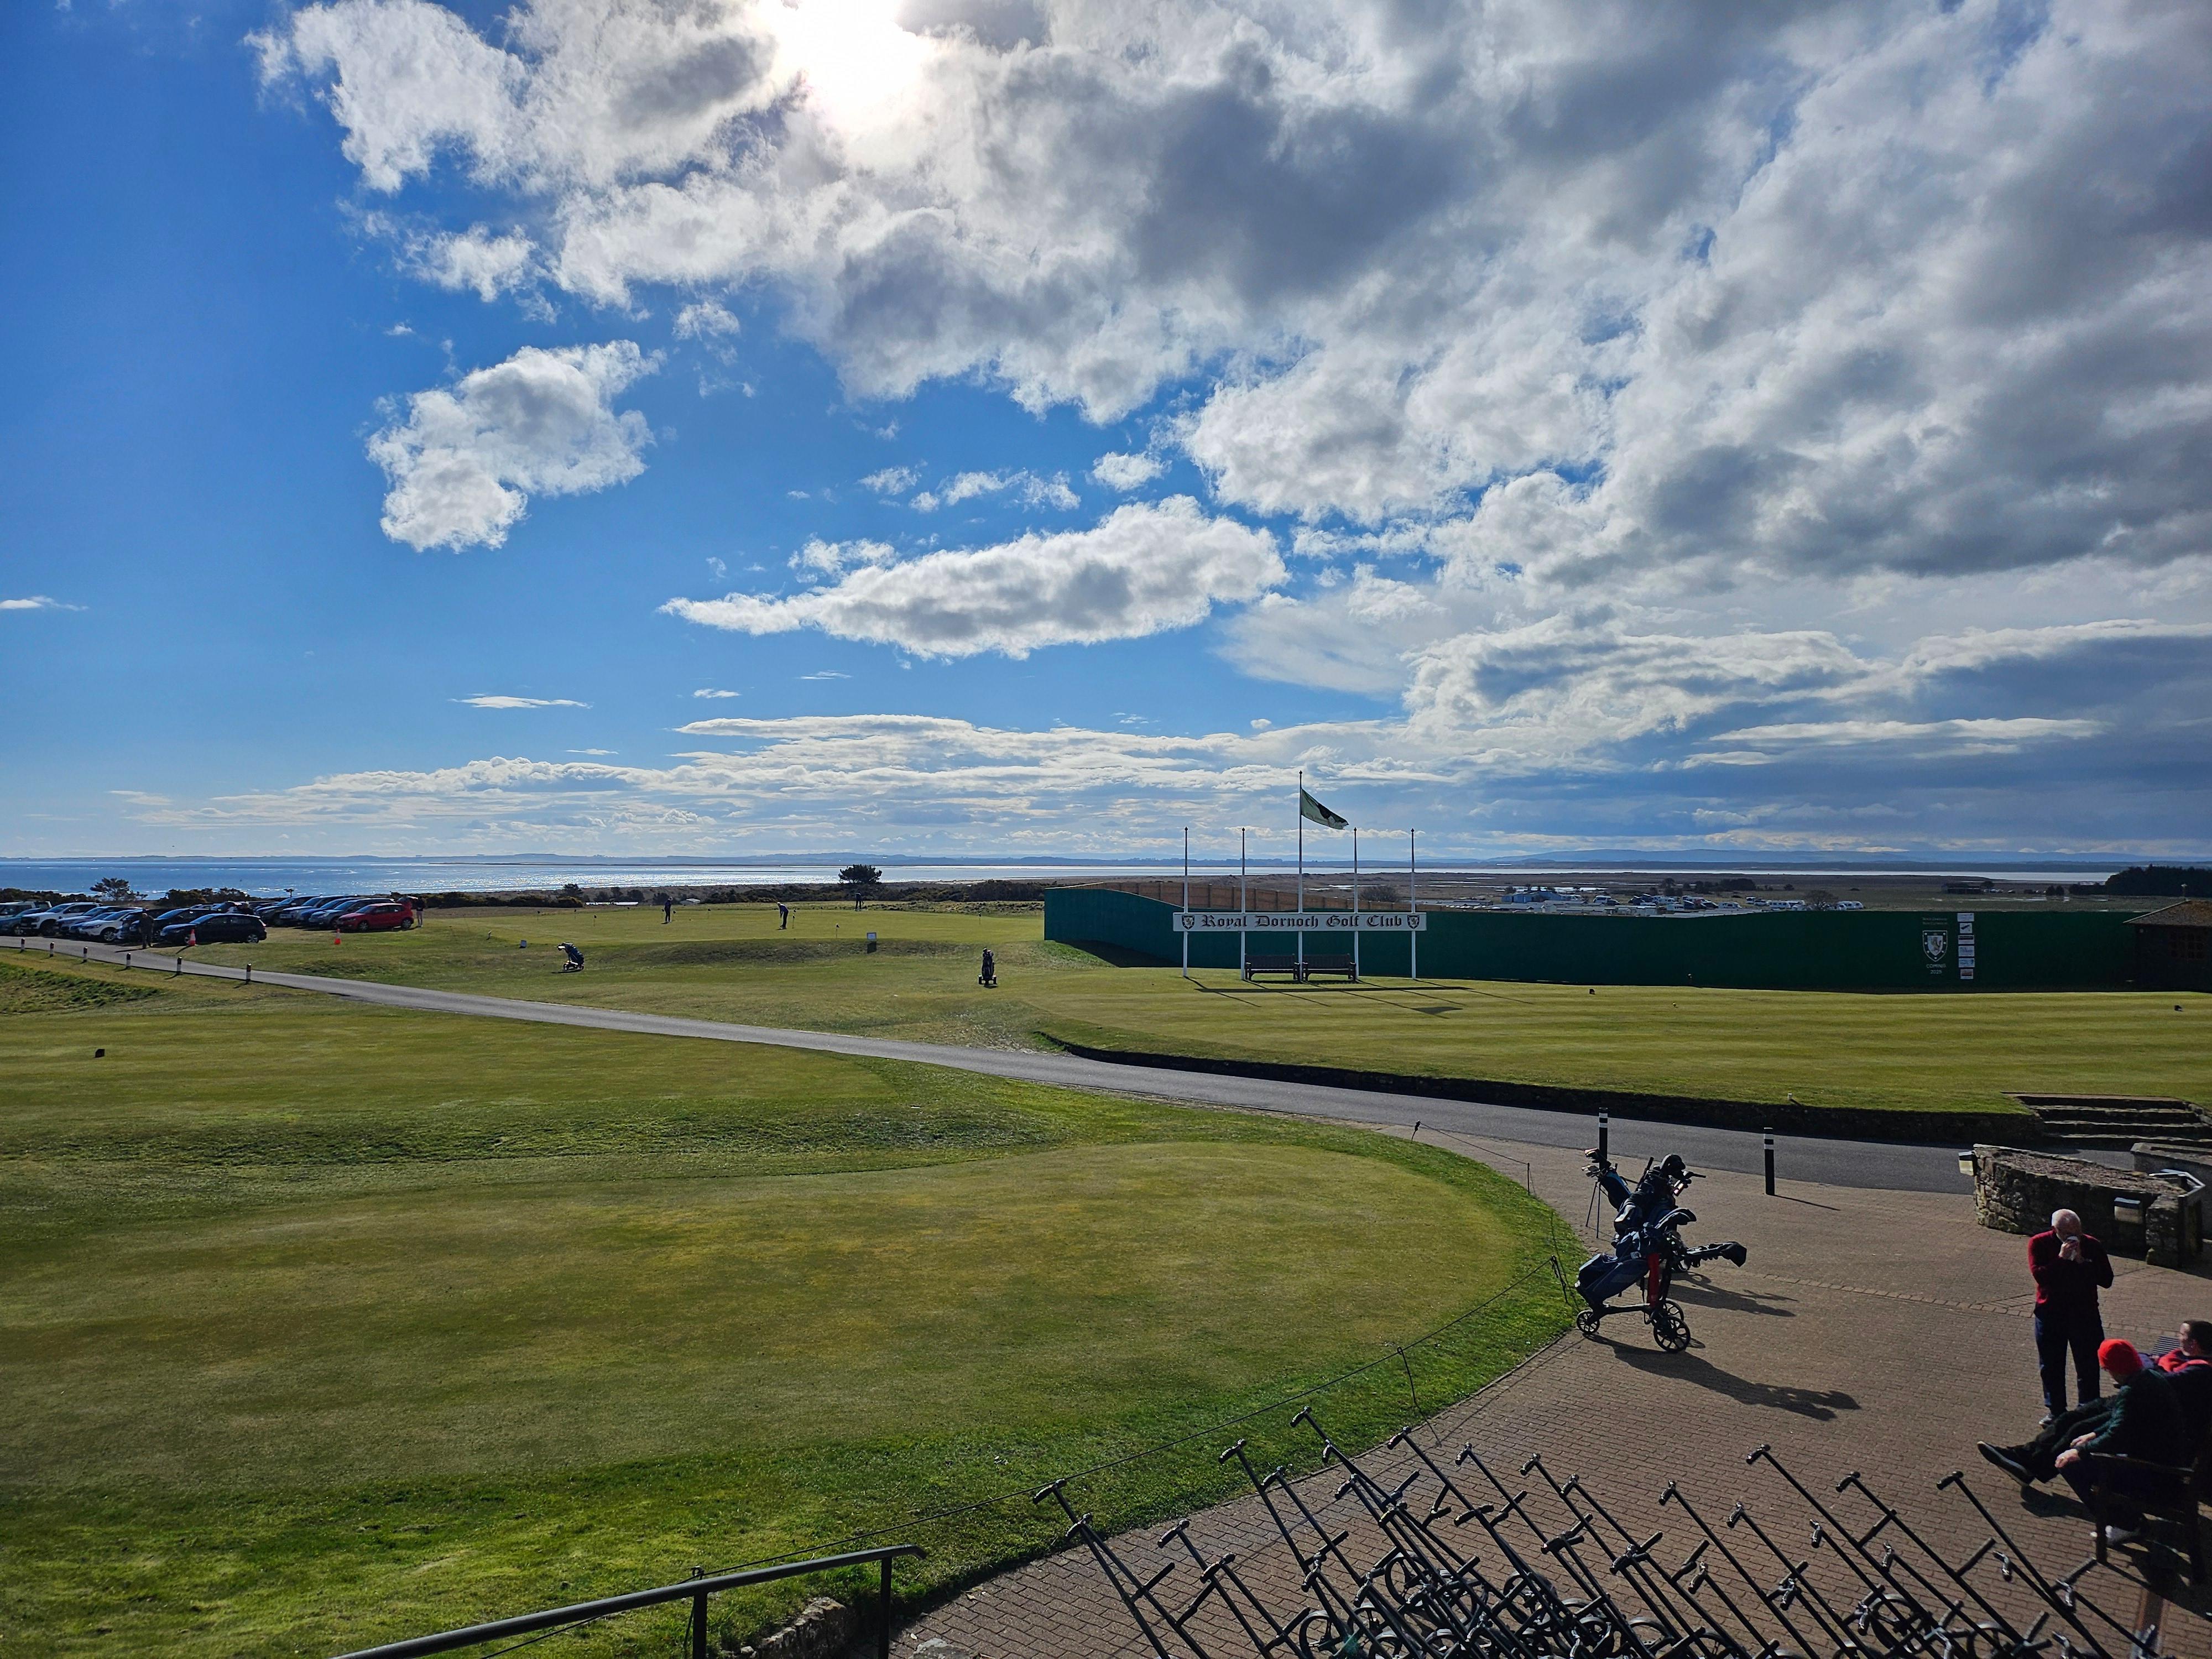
[(377, 918)]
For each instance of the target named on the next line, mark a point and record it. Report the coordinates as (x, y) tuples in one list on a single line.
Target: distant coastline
[(491, 873)]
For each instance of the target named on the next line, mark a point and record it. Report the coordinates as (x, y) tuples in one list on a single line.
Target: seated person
[(2145, 1424), (2188, 1365)]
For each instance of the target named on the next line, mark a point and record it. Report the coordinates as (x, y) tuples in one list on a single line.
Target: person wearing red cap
[(2069, 1269), (2188, 1366), (2145, 1424)]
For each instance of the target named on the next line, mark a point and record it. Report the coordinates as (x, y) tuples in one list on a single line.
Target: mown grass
[(323, 1325), (1912, 1052)]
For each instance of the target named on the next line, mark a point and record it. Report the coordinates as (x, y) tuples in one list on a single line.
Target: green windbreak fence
[(1781, 951)]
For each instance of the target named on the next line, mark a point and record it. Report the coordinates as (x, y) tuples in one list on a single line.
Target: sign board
[(1302, 921), (1947, 946)]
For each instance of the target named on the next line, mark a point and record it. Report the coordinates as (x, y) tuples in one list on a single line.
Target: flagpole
[(1355, 905), (1302, 875), (1413, 905), (1185, 918), (1243, 904)]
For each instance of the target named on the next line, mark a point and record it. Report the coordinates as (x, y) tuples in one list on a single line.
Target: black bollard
[(1770, 1162), (1604, 1133)]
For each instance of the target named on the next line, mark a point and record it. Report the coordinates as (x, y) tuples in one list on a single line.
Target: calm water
[(270, 876)]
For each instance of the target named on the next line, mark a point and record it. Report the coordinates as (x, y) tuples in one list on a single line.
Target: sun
[(861, 68)]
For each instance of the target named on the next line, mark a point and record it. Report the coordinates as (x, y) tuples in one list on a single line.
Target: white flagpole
[(1301, 874), (1413, 906), (1355, 905), (1243, 903), (1186, 900)]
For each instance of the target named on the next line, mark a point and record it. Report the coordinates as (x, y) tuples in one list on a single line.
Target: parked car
[(51, 924), (86, 923), (184, 912), (221, 927), (327, 915), (25, 921), (125, 927), (385, 917)]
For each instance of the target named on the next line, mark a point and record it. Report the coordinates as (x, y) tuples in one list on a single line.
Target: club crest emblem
[(1934, 943)]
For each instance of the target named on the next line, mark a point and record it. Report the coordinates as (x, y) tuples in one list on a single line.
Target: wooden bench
[(1257, 965), (2177, 1498)]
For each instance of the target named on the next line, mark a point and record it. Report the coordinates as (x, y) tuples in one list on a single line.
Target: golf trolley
[(1647, 1249)]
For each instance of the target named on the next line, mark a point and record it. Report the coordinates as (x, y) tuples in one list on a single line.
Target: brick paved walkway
[(1877, 1331)]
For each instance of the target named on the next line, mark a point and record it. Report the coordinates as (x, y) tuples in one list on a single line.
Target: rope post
[(1604, 1135), (180, 960), (699, 1625), (249, 973), (1770, 1162), (883, 1612)]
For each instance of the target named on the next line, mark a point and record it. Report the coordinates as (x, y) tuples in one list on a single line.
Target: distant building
[(2173, 947)]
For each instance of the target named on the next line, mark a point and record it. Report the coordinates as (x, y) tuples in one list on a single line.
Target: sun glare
[(858, 63)]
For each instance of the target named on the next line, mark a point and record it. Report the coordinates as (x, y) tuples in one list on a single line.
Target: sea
[(269, 877)]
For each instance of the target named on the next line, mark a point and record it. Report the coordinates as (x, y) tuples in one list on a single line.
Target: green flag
[(1310, 808)]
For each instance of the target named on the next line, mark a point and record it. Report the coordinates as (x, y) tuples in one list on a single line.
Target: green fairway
[(1927, 1051), (323, 1325)]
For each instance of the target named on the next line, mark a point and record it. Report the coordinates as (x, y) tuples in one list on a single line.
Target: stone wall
[(2016, 1192)]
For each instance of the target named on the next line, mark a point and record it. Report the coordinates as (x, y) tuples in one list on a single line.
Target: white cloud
[(474, 259), (591, 751), (464, 461), (492, 700), (891, 480), (822, 558), (710, 692), (704, 320), (826, 674), (1882, 286), (37, 602), (1033, 490), (1142, 569), (1127, 472), (1941, 737)]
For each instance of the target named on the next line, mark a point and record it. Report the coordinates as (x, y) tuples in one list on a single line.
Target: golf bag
[(1647, 1249)]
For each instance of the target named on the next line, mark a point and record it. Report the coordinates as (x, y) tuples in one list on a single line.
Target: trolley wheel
[(1669, 1329), (1587, 1320)]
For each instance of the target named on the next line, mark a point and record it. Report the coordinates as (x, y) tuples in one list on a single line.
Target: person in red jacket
[(2069, 1269), (2188, 1367)]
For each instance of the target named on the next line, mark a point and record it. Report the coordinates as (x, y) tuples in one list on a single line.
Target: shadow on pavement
[(1819, 1404), (1703, 1293)]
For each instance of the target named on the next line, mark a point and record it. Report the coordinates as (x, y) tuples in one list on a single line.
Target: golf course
[(323, 1325), (1891, 1052)]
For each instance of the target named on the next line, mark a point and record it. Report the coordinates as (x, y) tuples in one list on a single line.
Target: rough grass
[(323, 1325), (1910, 1051), (28, 990)]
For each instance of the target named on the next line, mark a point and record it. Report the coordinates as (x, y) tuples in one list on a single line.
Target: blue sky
[(1055, 428)]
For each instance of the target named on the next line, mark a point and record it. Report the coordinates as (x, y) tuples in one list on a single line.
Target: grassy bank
[(1914, 1052), (323, 1325)]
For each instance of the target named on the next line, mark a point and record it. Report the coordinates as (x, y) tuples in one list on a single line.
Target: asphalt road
[(1881, 1165)]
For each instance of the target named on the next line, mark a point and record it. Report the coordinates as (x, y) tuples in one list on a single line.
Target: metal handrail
[(697, 1589)]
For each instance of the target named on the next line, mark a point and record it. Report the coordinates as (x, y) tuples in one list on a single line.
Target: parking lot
[(232, 921)]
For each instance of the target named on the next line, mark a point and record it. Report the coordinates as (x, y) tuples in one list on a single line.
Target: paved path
[(1874, 1164), (1877, 1331)]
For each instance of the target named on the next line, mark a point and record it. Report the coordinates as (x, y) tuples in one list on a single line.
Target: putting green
[(322, 1325)]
